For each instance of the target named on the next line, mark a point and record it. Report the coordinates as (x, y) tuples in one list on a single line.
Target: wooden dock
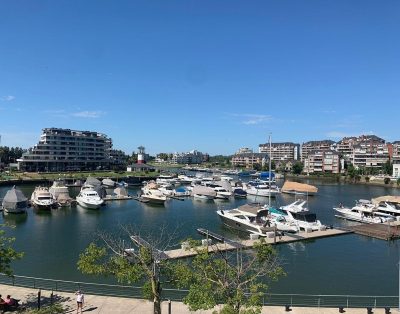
[(230, 245), (379, 231), (117, 198)]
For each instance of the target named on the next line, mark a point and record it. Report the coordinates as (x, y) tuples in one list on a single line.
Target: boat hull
[(228, 221), (88, 205), (15, 210)]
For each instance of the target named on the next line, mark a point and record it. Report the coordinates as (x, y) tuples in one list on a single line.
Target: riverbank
[(97, 304)]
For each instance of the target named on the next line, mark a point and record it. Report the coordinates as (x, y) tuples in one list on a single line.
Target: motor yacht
[(261, 188), (60, 193), (41, 198), (152, 194), (254, 218), (388, 205), (203, 193), (298, 213), (364, 211), (89, 198), (222, 193)]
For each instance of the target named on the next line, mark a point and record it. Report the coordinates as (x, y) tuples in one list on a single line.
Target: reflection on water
[(53, 240)]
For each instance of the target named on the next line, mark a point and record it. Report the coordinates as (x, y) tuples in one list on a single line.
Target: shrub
[(386, 180), (366, 179)]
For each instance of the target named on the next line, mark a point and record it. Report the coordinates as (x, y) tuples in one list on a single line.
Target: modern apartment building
[(248, 160), (322, 161), (65, 149), (307, 147), (367, 155), (192, 157), (281, 151), (396, 152), (244, 150)]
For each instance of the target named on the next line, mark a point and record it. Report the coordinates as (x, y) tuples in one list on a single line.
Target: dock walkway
[(287, 238), (379, 231)]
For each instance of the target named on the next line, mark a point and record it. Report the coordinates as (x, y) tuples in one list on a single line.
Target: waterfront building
[(244, 150), (67, 150), (192, 157), (322, 161), (370, 155), (396, 152), (118, 158), (396, 170), (281, 151), (248, 160), (307, 147)]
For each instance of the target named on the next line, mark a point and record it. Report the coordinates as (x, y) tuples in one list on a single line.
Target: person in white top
[(80, 299)]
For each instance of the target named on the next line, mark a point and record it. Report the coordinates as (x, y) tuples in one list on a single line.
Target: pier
[(379, 231), (230, 245)]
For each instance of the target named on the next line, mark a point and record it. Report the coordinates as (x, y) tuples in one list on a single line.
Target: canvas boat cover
[(203, 190), (387, 198), (121, 191), (92, 181), (108, 181), (13, 197), (299, 187)]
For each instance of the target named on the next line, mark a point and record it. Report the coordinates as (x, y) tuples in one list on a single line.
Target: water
[(348, 264)]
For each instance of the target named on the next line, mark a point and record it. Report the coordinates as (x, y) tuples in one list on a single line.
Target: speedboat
[(239, 193), (14, 201), (166, 189), (297, 212), (152, 194), (364, 211), (222, 193), (89, 198), (41, 198), (261, 188), (255, 219), (181, 191), (388, 205), (203, 193)]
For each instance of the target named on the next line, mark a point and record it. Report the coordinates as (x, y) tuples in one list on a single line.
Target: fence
[(273, 299)]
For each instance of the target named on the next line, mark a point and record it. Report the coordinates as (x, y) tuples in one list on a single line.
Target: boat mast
[(269, 175)]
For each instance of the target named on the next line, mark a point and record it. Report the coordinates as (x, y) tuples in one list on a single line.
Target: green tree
[(388, 168), (238, 279), (298, 167), (142, 265), (7, 253)]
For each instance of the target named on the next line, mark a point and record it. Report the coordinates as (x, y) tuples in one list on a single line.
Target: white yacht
[(166, 189), (222, 193), (298, 213), (89, 198), (166, 179), (42, 199), (254, 219), (261, 188), (364, 211), (107, 182), (181, 191), (152, 194), (388, 205), (14, 201)]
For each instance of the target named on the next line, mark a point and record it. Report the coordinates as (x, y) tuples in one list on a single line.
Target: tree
[(7, 253), (298, 167), (146, 264), (388, 167), (236, 279)]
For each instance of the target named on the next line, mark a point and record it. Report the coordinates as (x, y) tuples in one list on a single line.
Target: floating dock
[(117, 198), (230, 245), (379, 231)]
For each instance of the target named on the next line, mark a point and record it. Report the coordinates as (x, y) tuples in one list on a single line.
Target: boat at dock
[(388, 205), (41, 198), (255, 219), (60, 193), (261, 188), (152, 194), (109, 183), (14, 201), (203, 193), (89, 198), (298, 188), (364, 211)]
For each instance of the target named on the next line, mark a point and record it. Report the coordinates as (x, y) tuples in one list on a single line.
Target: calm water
[(347, 264)]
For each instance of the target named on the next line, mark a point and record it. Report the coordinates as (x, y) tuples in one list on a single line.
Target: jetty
[(117, 198), (225, 244), (382, 231)]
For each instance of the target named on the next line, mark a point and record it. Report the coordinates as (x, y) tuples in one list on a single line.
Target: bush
[(386, 180), (398, 181), (52, 309), (366, 179)]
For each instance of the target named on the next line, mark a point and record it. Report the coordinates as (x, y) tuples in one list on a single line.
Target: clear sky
[(211, 75)]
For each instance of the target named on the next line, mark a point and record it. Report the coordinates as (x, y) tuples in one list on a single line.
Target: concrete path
[(112, 305)]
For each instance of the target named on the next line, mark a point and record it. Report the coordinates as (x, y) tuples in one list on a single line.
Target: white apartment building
[(322, 161), (281, 151), (65, 149), (192, 157), (366, 155), (244, 150)]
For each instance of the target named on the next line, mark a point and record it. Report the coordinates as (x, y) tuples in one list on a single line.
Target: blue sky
[(212, 75)]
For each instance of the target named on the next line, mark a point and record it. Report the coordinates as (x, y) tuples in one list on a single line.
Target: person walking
[(80, 299)]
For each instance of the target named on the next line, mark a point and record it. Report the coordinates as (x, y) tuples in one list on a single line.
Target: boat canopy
[(108, 181), (387, 198), (13, 197), (121, 191), (266, 174), (203, 190), (92, 181), (299, 187), (305, 216), (250, 208)]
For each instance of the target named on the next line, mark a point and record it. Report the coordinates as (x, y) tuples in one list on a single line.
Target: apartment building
[(192, 157), (244, 150), (367, 155), (322, 161), (307, 147), (396, 152), (65, 149), (281, 151), (248, 160)]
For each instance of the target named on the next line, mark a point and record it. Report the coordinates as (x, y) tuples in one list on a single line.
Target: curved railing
[(273, 299)]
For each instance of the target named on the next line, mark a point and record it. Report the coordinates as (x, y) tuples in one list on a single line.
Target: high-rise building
[(65, 149), (310, 146), (322, 161)]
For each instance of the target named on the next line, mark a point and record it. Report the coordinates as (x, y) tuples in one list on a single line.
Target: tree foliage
[(10, 154), (7, 253), (298, 167), (238, 280)]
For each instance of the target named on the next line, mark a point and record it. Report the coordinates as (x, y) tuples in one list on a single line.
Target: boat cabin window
[(309, 217), (44, 197), (242, 217)]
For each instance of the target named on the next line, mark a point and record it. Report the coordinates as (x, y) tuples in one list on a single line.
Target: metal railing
[(273, 299)]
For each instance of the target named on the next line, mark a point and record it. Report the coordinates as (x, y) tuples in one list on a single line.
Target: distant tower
[(141, 155)]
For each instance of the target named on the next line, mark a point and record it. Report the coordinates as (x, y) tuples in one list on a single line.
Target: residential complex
[(310, 146), (65, 149), (248, 160), (322, 161), (192, 157), (281, 151)]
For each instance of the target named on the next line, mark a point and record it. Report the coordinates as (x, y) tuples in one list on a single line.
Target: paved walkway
[(112, 305)]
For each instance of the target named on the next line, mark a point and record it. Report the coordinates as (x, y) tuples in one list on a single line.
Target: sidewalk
[(95, 304)]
